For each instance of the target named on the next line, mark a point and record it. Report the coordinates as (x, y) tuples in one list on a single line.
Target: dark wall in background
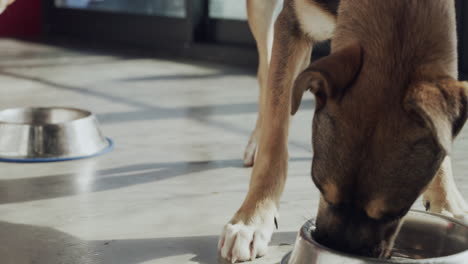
[(462, 23), (197, 35), (22, 19)]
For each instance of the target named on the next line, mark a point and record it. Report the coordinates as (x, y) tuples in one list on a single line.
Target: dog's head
[(374, 154)]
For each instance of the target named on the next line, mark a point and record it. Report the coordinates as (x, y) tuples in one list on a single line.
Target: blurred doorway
[(228, 9), (172, 8)]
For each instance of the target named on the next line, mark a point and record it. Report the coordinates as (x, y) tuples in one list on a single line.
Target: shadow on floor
[(181, 77), (89, 181), (26, 244), (150, 112), (61, 63)]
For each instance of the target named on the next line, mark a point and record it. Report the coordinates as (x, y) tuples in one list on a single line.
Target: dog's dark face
[(369, 175), (372, 159)]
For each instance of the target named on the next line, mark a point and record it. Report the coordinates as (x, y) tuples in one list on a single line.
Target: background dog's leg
[(261, 16), (442, 195), (247, 235)]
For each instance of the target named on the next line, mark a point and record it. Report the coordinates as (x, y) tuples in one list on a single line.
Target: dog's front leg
[(442, 196), (247, 235)]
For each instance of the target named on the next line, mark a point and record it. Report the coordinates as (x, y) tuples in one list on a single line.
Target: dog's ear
[(328, 77), (442, 106)]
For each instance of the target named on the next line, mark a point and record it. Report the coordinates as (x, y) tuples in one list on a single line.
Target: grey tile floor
[(175, 176)]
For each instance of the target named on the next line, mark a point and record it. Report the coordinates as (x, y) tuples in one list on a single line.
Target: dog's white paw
[(240, 242), (243, 242)]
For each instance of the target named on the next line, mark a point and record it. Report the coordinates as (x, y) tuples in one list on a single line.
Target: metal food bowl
[(49, 134), (424, 239)]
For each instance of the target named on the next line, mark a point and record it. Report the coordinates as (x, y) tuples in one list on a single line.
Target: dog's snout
[(350, 231), (351, 243)]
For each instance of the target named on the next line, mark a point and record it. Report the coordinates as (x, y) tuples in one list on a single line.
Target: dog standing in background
[(388, 106)]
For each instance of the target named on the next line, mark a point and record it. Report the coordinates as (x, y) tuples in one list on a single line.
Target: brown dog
[(387, 109)]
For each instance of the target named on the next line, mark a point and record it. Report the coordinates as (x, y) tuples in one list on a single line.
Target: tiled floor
[(175, 176)]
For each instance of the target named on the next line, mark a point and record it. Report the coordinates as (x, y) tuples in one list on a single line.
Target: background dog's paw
[(250, 151), (240, 242), (251, 148)]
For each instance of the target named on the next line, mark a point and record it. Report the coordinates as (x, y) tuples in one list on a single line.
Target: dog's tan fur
[(387, 109)]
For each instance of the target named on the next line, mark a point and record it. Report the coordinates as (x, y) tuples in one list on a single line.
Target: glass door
[(171, 8), (228, 9), (227, 22), (160, 24)]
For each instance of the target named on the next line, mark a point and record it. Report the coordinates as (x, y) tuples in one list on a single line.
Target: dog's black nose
[(353, 245)]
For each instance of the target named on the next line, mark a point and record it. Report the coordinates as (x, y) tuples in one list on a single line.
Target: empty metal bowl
[(424, 239), (49, 134)]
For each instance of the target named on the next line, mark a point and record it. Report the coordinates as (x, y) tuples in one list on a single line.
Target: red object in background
[(23, 18)]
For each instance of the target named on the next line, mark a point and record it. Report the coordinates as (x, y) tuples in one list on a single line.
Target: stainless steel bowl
[(49, 134), (424, 239)]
